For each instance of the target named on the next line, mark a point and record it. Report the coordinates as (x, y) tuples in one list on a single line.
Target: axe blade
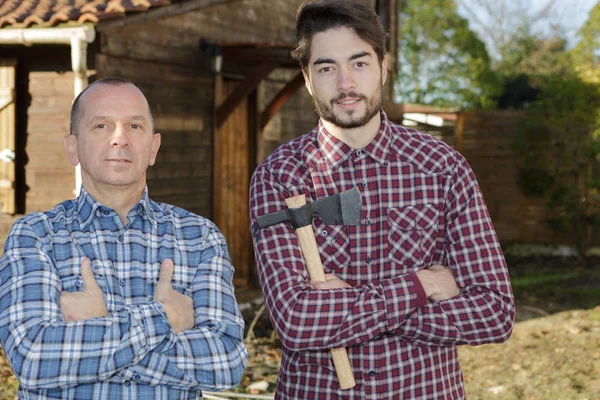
[(342, 208)]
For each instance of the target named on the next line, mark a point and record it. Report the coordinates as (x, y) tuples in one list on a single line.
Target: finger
[(87, 274), (166, 271)]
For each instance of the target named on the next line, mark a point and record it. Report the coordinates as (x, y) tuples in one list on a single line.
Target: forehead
[(113, 101), (337, 43)]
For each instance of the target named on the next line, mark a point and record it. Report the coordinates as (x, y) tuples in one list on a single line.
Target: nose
[(346, 80), (119, 137)]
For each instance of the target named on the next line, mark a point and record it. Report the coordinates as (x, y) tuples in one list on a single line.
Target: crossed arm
[(469, 300), (89, 303), (150, 341)]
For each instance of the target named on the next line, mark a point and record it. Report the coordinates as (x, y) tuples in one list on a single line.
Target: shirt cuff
[(152, 317), (403, 295), (421, 296)]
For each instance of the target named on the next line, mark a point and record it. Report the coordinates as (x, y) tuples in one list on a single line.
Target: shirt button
[(126, 383), (136, 378), (364, 184), (368, 260), (121, 238), (368, 222), (122, 282), (324, 233), (371, 373), (79, 283), (359, 152), (106, 212)]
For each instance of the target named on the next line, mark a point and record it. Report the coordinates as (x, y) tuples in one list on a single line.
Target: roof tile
[(46, 13)]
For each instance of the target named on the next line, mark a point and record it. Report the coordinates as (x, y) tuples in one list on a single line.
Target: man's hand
[(438, 282), (79, 306), (331, 282), (179, 307)]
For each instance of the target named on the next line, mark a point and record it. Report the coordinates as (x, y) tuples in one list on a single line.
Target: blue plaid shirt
[(133, 352)]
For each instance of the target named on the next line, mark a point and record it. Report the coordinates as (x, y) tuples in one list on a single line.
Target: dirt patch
[(555, 357)]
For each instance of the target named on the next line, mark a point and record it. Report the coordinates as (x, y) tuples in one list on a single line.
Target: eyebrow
[(100, 118), (352, 57)]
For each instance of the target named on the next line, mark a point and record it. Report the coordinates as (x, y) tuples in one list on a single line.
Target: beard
[(372, 107)]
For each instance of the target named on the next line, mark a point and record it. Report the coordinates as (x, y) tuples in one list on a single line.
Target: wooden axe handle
[(310, 250)]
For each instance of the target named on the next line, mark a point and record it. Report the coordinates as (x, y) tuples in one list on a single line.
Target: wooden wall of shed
[(295, 118), (163, 58), (44, 92), (49, 176), (487, 146)]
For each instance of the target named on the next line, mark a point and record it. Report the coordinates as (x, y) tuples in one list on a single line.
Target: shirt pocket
[(334, 245), (412, 232), (71, 279)]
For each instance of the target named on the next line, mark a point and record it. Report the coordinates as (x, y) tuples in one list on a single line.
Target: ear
[(307, 81), (384, 70), (70, 145), (155, 146)]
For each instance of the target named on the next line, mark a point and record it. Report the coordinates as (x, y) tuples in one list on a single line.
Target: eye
[(100, 126), (136, 126), (361, 64), (325, 69)]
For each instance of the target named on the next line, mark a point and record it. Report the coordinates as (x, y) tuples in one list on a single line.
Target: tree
[(586, 55), (560, 148), (442, 62)]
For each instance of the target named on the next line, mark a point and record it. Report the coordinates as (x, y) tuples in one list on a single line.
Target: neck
[(358, 137), (119, 198)]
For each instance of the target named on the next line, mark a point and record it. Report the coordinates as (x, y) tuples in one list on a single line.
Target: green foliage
[(560, 149), (442, 62), (586, 55)]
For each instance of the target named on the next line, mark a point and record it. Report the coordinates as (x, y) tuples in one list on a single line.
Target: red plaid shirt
[(421, 205)]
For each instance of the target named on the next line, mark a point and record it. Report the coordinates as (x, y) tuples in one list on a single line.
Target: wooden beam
[(459, 131), (258, 54), (280, 99), (163, 12), (256, 75)]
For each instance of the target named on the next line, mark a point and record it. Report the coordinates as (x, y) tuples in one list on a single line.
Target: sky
[(567, 15)]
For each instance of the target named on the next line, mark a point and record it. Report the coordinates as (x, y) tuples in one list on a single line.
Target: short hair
[(76, 108), (316, 16)]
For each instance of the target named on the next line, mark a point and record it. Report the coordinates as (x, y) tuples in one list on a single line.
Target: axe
[(342, 208)]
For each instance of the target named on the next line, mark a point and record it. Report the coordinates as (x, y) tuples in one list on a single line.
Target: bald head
[(78, 107)]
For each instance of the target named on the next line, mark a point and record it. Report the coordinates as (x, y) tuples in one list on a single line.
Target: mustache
[(352, 95)]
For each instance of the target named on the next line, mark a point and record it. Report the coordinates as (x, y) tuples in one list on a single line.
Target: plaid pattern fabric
[(132, 353), (421, 205)]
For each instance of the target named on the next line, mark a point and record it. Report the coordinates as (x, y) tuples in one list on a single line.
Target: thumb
[(166, 271), (87, 274)]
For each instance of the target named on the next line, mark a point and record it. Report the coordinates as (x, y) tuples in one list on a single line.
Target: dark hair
[(320, 15), (77, 112)]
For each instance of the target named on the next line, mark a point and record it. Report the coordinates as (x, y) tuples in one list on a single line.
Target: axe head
[(340, 209)]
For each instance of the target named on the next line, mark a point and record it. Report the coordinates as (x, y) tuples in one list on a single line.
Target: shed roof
[(47, 13)]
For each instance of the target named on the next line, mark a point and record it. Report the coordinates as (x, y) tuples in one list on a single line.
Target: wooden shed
[(218, 76)]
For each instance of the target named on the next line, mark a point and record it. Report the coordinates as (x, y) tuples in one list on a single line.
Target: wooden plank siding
[(7, 135), (488, 137), (49, 175), (233, 167)]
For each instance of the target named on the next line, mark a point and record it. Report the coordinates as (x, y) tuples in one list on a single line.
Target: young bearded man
[(423, 272), (111, 295)]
